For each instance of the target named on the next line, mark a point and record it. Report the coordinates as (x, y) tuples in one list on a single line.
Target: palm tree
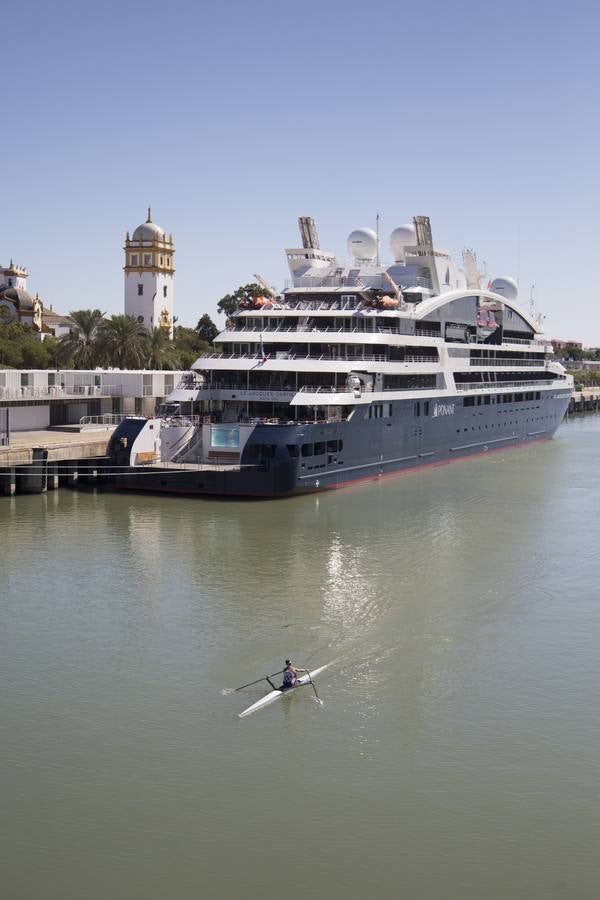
[(124, 342), (162, 354), (80, 346)]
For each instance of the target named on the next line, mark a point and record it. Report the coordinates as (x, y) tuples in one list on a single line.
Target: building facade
[(18, 305), (149, 275), (42, 398)]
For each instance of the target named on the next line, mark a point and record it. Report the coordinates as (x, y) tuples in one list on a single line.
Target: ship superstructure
[(358, 371)]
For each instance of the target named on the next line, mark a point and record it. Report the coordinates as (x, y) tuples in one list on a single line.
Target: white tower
[(149, 276)]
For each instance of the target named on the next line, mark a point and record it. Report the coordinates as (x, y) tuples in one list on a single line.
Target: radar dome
[(362, 244), (401, 237), (506, 287)]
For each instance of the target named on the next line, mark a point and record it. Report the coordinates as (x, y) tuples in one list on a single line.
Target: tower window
[(161, 260), (165, 291), (133, 261), (147, 259), (140, 290)]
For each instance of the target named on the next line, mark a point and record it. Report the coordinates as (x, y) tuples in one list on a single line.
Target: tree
[(230, 302), (80, 347), (189, 346), (162, 354), (123, 342), (206, 329)]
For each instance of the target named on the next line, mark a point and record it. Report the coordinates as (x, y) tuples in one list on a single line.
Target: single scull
[(276, 694)]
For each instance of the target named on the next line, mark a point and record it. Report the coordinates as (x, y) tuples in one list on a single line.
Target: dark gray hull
[(416, 434)]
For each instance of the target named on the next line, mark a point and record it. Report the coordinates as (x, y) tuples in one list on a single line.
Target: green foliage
[(20, 349), (585, 378), (206, 329), (189, 346), (162, 353), (80, 349), (123, 342), (230, 302)]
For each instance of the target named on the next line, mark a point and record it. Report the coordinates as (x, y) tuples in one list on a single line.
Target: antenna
[(378, 261)]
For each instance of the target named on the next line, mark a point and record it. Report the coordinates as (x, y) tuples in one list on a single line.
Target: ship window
[(292, 450), (332, 446), (469, 401), (417, 409), (319, 448), (487, 399), (307, 449)]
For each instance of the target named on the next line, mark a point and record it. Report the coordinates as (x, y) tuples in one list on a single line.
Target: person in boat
[(290, 675)]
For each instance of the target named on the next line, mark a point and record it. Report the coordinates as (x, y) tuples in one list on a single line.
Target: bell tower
[(149, 275)]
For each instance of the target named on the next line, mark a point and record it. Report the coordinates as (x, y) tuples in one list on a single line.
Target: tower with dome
[(149, 275)]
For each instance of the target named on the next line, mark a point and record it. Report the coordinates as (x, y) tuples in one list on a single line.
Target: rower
[(290, 675)]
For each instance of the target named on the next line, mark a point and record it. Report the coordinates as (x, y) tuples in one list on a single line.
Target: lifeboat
[(388, 303)]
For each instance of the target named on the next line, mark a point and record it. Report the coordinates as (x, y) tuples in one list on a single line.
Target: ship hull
[(309, 457)]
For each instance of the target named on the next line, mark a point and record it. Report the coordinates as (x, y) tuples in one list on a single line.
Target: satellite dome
[(362, 244), (401, 237), (506, 287), (149, 231)]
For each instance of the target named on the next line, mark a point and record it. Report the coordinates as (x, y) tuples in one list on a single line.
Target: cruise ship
[(353, 372)]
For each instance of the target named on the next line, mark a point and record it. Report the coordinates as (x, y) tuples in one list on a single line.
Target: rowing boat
[(276, 694)]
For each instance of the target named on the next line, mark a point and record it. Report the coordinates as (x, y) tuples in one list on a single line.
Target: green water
[(455, 756)]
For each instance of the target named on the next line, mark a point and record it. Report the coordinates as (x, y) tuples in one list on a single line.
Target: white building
[(149, 275), (42, 398), (18, 305)]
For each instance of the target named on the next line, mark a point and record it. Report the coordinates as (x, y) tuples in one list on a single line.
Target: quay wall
[(39, 461), (587, 400)]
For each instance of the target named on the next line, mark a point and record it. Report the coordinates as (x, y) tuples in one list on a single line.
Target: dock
[(39, 461), (586, 400)]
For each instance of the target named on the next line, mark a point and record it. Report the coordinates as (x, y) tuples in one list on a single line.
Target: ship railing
[(105, 419), (180, 420), (506, 361), (190, 382), (324, 329), (334, 281), (323, 357), (500, 385), (271, 420)]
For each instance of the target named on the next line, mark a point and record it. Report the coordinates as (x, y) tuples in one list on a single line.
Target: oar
[(314, 688), (258, 680)]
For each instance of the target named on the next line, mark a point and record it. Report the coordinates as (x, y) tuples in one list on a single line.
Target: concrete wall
[(29, 418)]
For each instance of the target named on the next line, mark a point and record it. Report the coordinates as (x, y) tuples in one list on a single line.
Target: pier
[(39, 461), (586, 400)]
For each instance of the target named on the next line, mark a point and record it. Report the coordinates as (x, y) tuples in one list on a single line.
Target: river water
[(456, 753)]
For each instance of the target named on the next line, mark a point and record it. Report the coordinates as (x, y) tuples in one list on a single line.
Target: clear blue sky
[(232, 119)]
